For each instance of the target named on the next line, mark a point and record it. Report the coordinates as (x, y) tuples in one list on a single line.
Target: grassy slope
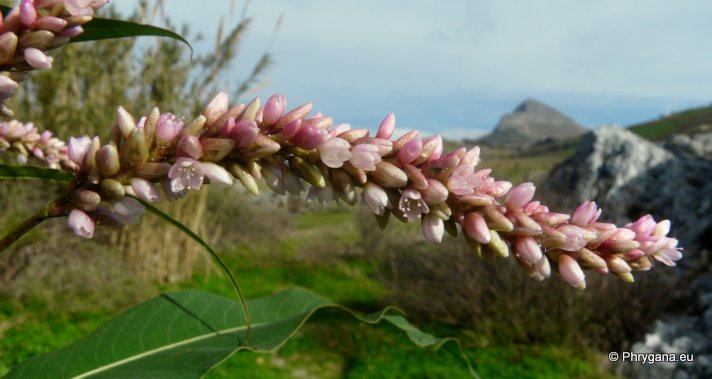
[(685, 122)]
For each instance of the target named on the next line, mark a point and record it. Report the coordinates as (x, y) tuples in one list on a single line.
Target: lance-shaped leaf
[(32, 172), (103, 28), (185, 334)]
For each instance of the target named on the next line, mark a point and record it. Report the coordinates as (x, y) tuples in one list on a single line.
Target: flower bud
[(37, 59), (433, 228), (262, 147), (194, 128), (250, 112), (126, 122), (28, 13), (410, 151), (107, 160), (151, 123), (51, 23), (375, 198), (244, 133), (528, 249), (476, 228), (388, 125), (167, 127), (309, 137), (571, 272), (40, 39), (112, 188), (335, 152), (220, 123), (7, 85), (152, 170), (389, 176), (416, 177), (135, 150), (247, 180), (273, 110), (404, 139), (497, 245), (435, 193), (216, 149), (351, 136), (190, 146), (81, 223), (519, 196), (498, 221), (215, 108), (145, 190), (295, 114), (89, 164), (8, 46), (84, 199), (308, 172)]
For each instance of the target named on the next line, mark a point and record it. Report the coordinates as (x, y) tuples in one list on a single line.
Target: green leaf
[(185, 334), (103, 28), (32, 172)]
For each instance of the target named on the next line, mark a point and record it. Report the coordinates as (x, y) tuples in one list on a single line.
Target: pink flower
[(410, 151), (309, 137), (365, 156), (375, 198), (463, 180), (81, 223), (189, 173), (168, 128), (476, 228), (28, 14), (412, 204), (528, 249), (585, 214), (335, 152), (77, 149), (244, 132)]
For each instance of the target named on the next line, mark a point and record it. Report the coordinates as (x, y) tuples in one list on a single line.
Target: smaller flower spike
[(409, 178)]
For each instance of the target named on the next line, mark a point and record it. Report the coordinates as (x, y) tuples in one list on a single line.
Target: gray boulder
[(629, 177)]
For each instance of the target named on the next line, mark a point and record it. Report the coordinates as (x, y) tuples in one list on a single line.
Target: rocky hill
[(531, 122)]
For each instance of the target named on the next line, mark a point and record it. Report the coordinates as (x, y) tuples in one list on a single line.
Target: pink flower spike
[(168, 128), (37, 59), (244, 133), (81, 223), (476, 228), (519, 196), (28, 13), (571, 272), (528, 249), (375, 198), (388, 125), (77, 149), (412, 204), (145, 190), (584, 214), (309, 137), (365, 156), (273, 109), (433, 229), (335, 152), (410, 151)]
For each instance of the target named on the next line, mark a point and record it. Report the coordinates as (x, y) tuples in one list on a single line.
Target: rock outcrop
[(532, 122), (629, 177)]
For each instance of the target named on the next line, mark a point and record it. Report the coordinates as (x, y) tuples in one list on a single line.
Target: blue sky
[(454, 69)]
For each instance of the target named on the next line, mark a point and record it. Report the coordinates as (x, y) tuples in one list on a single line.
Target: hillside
[(691, 121), (531, 122)]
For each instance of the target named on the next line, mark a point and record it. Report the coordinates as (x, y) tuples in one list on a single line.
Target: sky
[(456, 67)]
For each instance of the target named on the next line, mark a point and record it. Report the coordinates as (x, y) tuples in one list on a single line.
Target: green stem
[(54, 209)]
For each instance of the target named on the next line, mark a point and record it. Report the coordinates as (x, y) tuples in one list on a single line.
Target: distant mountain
[(531, 122), (690, 122)]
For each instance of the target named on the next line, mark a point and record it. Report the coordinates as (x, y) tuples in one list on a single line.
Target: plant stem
[(54, 209)]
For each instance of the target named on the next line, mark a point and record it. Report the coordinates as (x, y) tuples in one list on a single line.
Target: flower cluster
[(31, 29), (409, 178), (26, 141)]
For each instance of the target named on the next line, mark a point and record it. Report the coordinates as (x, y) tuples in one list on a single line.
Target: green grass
[(683, 122)]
